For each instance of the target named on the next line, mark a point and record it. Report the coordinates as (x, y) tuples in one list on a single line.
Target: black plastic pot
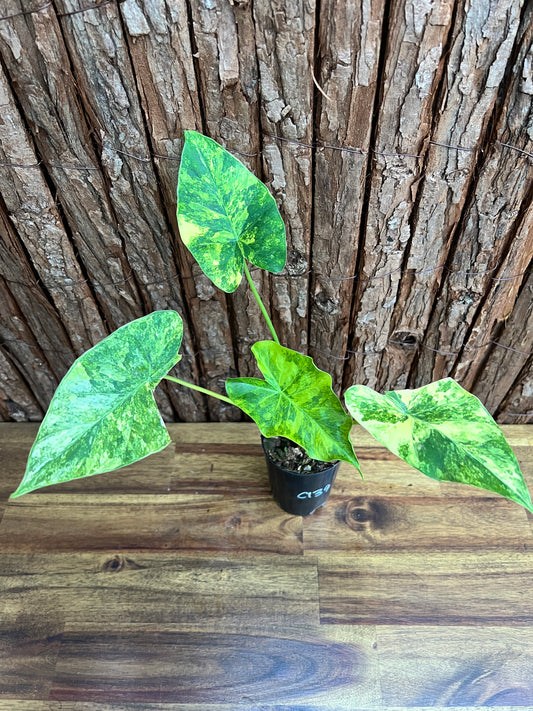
[(299, 494)]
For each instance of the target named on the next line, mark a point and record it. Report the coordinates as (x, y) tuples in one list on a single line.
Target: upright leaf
[(445, 432), (103, 415), (225, 214), (295, 401)]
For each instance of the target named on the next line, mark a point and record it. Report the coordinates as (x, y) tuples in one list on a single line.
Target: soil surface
[(291, 456)]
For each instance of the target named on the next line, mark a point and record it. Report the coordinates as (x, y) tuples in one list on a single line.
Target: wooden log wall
[(395, 135)]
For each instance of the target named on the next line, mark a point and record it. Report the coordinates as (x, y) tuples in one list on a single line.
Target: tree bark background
[(395, 135)]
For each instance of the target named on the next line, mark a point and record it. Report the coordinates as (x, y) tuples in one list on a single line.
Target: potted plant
[(227, 219)]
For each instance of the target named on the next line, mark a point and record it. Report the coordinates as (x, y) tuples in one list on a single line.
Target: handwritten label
[(314, 494)]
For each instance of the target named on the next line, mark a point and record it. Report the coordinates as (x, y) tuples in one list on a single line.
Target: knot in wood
[(233, 522), (297, 264), (118, 563), (363, 514), (405, 339)]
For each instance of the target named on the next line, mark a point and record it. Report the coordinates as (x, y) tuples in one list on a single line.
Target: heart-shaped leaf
[(295, 401), (225, 214), (103, 415), (445, 432)]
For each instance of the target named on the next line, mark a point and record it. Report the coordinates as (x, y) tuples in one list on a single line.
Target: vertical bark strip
[(162, 63), (408, 87), (227, 72), (498, 304), (285, 33), (504, 362), (16, 401), (496, 241), (32, 336), (349, 57), (481, 45), (100, 59), (519, 400), (35, 56), (32, 210)]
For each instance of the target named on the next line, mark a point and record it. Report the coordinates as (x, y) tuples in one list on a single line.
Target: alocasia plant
[(103, 415)]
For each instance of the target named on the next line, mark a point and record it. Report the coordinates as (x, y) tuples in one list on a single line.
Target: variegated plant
[(103, 415)]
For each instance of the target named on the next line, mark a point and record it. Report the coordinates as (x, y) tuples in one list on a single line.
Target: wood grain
[(428, 587), (241, 667), (430, 666), (136, 591)]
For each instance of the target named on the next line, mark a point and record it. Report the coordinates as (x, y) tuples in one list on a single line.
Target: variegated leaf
[(295, 401), (103, 414), (445, 432), (226, 215)]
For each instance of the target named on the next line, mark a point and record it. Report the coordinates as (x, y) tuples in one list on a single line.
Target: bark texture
[(396, 137), (349, 43)]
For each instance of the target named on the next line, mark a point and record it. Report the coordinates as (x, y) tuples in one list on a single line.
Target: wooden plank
[(361, 523), (348, 51), (477, 56), (432, 666), (90, 522), (201, 465), (280, 666), (285, 35), (105, 605), (27, 705), (403, 127), (384, 475), (480, 585), (15, 443), (27, 662), (150, 589), (228, 458)]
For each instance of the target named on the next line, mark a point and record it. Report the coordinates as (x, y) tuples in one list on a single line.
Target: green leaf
[(225, 214), (103, 415), (295, 401), (445, 432)]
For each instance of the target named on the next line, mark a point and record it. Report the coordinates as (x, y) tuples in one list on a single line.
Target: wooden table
[(179, 584)]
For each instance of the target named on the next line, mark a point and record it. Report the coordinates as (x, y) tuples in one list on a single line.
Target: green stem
[(197, 387), (261, 305)]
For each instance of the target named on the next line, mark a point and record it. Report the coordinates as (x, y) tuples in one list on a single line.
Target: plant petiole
[(261, 305), (197, 387)]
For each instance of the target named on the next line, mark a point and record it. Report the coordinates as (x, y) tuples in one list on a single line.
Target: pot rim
[(304, 475)]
